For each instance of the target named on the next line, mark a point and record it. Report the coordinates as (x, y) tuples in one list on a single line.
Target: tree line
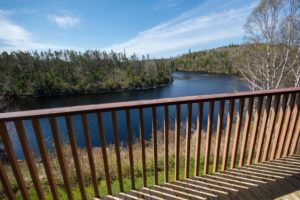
[(69, 72), (269, 59), (219, 60)]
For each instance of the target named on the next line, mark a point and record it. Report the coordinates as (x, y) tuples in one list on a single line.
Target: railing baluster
[(78, 169), (177, 141), (198, 138), (154, 136), (5, 183), (208, 136), (166, 143), (228, 133), (286, 123), (104, 154), (238, 125), (257, 116), (13, 160), (263, 129), (117, 148), (271, 128), (218, 136), (28, 158), (278, 133), (142, 138), (246, 132), (60, 156), (188, 139), (129, 142), (90, 154), (295, 139), (292, 126), (45, 158), (279, 126)]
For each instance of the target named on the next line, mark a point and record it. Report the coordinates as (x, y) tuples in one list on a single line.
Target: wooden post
[(218, 136), (263, 129), (227, 134), (188, 140), (208, 137), (129, 142), (271, 127), (142, 139), (104, 155), (246, 132), (117, 148), (60, 156), (45, 158), (166, 143), (255, 129), (198, 139), (177, 141), (237, 133)]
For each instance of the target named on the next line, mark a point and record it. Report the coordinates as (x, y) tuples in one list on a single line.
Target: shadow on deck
[(269, 180)]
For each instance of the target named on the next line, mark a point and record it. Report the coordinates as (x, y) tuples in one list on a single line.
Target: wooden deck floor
[(278, 179)]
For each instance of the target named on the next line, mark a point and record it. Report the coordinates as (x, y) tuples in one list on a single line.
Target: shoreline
[(94, 92)]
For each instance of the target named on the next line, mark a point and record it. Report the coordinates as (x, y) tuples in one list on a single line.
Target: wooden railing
[(260, 126)]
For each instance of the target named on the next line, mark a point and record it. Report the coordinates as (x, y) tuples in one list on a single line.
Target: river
[(184, 84)]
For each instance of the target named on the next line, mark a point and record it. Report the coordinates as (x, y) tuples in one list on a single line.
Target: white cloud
[(187, 30), (64, 21), (15, 37)]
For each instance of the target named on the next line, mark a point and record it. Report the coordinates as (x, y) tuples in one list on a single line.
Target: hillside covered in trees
[(70, 72), (220, 60)]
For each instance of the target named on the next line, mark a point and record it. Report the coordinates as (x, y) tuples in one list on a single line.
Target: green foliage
[(69, 72), (220, 60)]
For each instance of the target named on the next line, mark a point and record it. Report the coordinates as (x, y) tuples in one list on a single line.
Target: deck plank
[(277, 179)]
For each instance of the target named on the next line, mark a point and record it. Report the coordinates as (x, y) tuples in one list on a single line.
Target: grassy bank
[(97, 154)]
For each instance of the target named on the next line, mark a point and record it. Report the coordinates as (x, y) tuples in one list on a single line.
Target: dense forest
[(220, 60), (69, 72)]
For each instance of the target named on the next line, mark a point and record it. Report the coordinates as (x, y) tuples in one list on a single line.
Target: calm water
[(185, 84)]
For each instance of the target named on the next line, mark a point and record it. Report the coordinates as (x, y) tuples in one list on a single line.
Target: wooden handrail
[(140, 103)]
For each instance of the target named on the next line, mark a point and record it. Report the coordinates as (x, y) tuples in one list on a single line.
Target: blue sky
[(160, 28)]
